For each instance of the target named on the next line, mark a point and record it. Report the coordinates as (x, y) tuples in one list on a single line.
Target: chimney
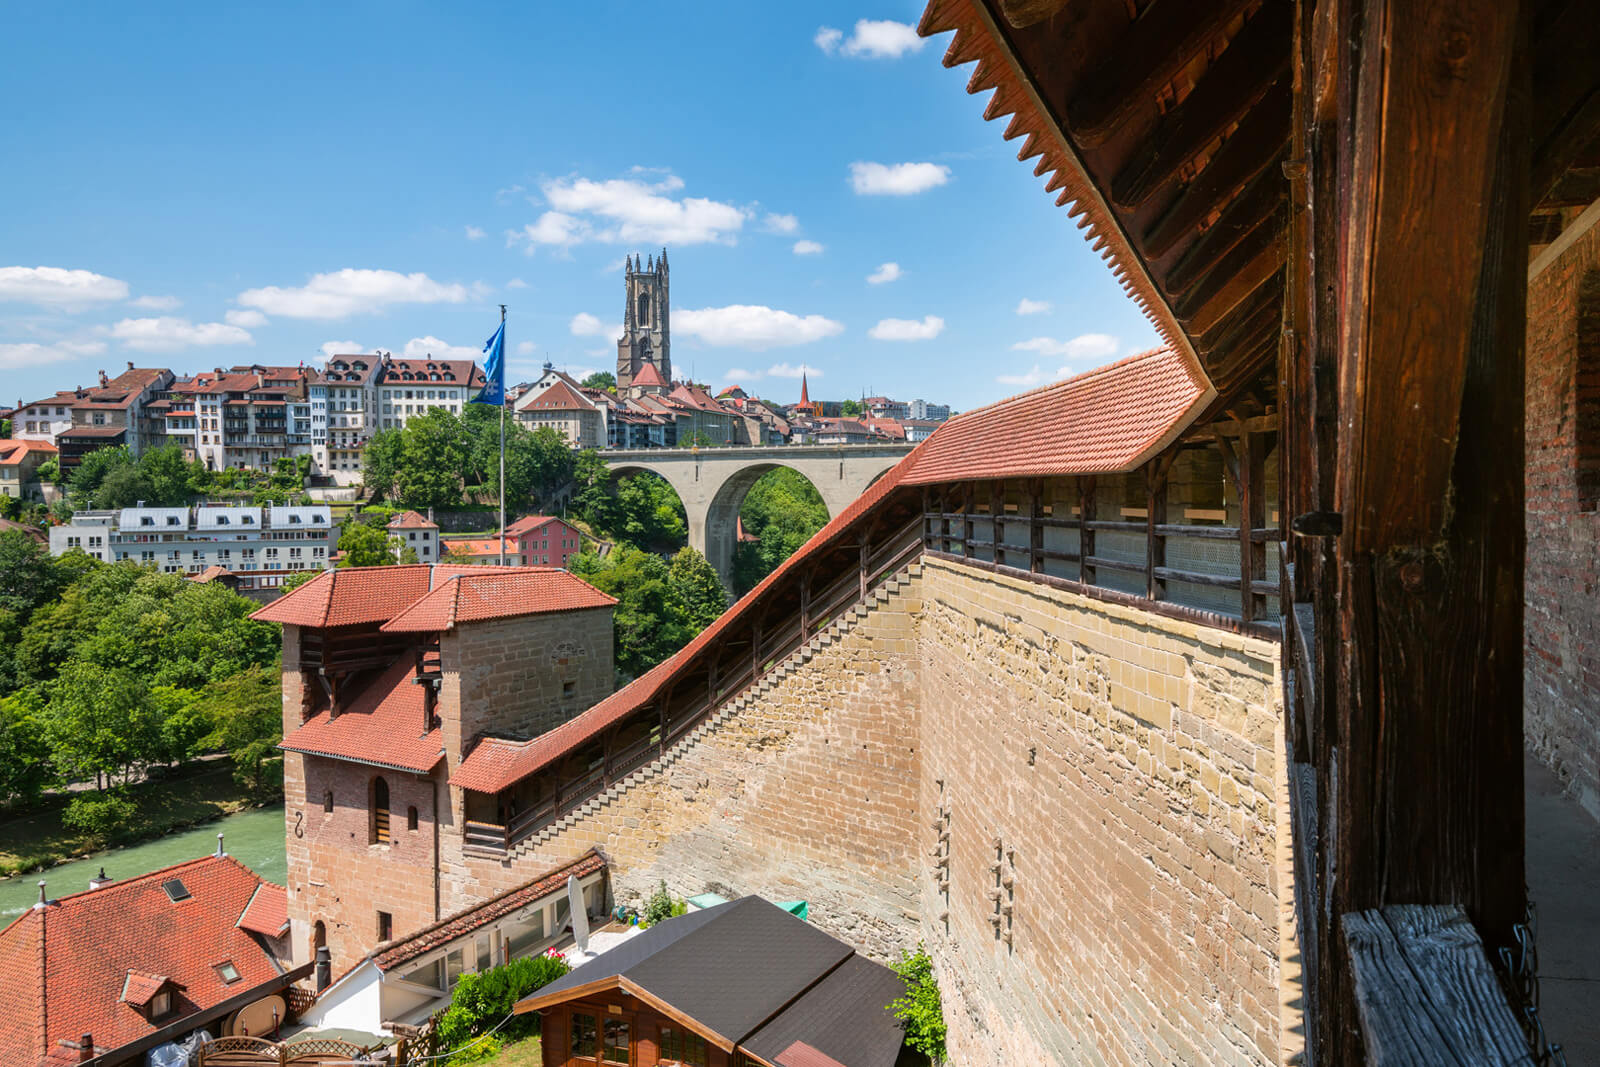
[(324, 967), (103, 378), (220, 852), (100, 880), (42, 902), (86, 1048), (130, 364)]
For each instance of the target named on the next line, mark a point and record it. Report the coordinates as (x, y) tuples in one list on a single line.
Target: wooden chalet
[(1326, 208)]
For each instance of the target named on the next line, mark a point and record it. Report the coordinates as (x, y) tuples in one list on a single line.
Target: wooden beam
[(1165, 37), (1566, 90), (1244, 272), (1023, 13), (1155, 554), (1256, 206), (1256, 58), (1250, 149), (1263, 304)]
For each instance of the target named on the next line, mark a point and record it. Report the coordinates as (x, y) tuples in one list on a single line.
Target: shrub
[(106, 817), (920, 1009), (481, 1002)]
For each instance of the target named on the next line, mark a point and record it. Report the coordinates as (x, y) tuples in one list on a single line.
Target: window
[(583, 1034), (385, 926), (681, 1047), (411, 818), (161, 1004), (568, 688), (615, 1049), (176, 890), (523, 936), (380, 811), (227, 972), (327, 802)]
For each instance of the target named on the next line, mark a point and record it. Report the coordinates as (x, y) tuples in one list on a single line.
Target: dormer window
[(294, 518), (317, 518), (172, 520), (145, 520), (247, 519), (222, 520), (161, 1004)]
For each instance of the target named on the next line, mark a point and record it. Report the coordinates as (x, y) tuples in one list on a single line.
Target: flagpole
[(502, 449)]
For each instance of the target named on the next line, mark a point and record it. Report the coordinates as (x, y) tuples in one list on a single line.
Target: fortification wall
[(1118, 769), (804, 789), (1561, 684)]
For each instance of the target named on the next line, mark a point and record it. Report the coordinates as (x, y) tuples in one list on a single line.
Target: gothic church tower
[(645, 334)]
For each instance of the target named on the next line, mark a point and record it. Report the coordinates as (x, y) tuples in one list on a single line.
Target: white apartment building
[(411, 387), (259, 546), (921, 409), (352, 397)]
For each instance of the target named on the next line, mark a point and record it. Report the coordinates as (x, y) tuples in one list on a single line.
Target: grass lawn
[(191, 795), (524, 1053)]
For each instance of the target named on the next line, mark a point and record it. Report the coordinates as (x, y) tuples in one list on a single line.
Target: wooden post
[(1155, 515), (865, 550), (1036, 525), (1085, 534), (1252, 511), (968, 503), (805, 605), (997, 515)]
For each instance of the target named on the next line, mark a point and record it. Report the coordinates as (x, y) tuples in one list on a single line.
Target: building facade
[(411, 387), (261, 546), (19, 466)]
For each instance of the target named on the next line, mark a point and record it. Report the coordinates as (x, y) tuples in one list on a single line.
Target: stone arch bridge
[(712, 482)]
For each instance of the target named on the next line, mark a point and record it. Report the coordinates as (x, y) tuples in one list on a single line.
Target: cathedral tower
[(646, 337)]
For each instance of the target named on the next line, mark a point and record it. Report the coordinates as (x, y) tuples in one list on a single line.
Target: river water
[(253, 837)]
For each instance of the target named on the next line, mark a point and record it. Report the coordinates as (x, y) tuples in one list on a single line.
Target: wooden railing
[(609, 761)]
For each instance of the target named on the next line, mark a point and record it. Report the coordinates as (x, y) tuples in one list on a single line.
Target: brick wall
[(1119, 767), (1562, 662), (806, 790)]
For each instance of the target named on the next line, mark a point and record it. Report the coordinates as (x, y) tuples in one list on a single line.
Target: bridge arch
[(712, 482)]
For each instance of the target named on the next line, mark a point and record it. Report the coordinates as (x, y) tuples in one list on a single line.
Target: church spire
[(805, 395)]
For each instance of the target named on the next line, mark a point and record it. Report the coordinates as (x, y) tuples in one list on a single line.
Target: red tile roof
[(1141, 403), (479, 915), (140, 986), (528, 523), (267, 913), (352, 596), (1110, 419), (412, 520), (497, 594), (211, 574), (67, 965), (15, 449), (650, 375), (558, 397), (93, 431), (382, 726), (479, 546)]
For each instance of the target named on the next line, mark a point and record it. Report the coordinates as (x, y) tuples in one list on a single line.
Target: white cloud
[(753, 326), (907, 329), (516, 283), (525, 348), (780, 223), (168, 334), (352, 292), (584, 324), (431, 347), (1084, 346), (777, 370), (872, 39), (475, 234), (504, 196), (1032, 307), (341, 348), (807, 248), (29, 354), (250, 319), (784, 370), (1033, 377), (157, 303), (888, 272), (629, 210), (896, 179), (59, 286)]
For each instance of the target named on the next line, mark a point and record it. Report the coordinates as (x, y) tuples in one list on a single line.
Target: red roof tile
[(558, 397), (478, 915), (650, 375), (267, 913), (15, 449), (140, 986), (93, 431), (352, 596), (67, 965), (1110, 419), (530, 522), (497, 595), (382, 726), (412, 520)]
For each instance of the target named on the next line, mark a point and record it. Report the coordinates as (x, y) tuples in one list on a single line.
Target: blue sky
[(232, 185)]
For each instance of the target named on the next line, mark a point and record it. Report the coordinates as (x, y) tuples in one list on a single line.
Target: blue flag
[(494, 370)]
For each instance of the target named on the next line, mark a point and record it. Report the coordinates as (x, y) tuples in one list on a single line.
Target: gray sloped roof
[(760, 978)]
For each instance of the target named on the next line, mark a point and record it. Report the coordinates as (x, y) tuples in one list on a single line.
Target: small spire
[(652, 265), (220, 853), (42, 902)]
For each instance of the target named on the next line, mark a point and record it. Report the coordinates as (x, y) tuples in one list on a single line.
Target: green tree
[(28, 576), (295, 581), (920, 1009), (481, 1004), (361, 545), (105, 817), (649, 514), (601, 379), (101, 721), (50, 470), (92, 469), (594, 497), (25, 767), (381, 460), (433, 455), (782, 511), (851, 408), (698, 588), (167, 475), (245, 712)]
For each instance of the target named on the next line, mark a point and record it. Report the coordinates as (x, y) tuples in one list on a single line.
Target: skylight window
[(227, 972), (176, 890)]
